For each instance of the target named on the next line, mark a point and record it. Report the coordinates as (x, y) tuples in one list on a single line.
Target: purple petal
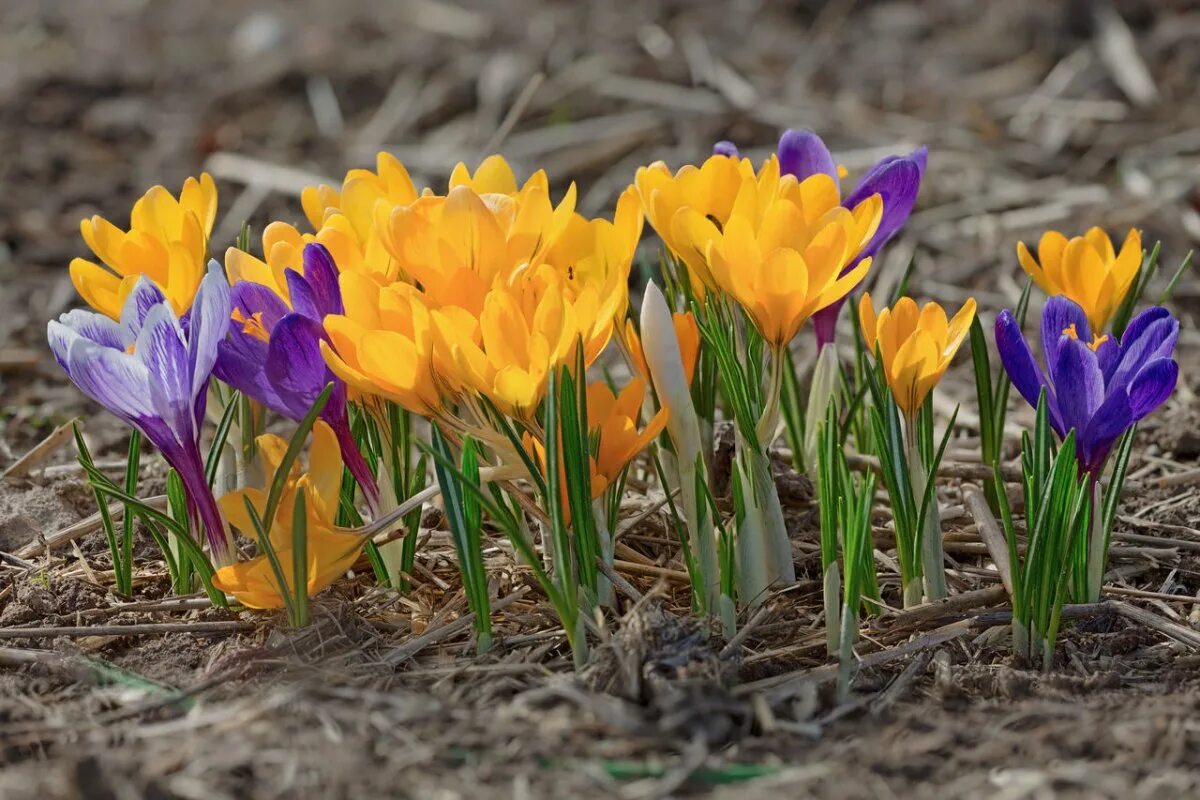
[(209, 324), (254, 298), (1021, 367), (301, 295), (1060, 314), (161, 349), (1112, 418), (96, 327), (115, 380), (1138, 325), (144, 296), (1154, 338), (241, 359), (1152, 386), (1078, 384), (803, 154), (897, 183), (1108, 354), (295, 368), (726, 148), (322, 275), (824, 323)]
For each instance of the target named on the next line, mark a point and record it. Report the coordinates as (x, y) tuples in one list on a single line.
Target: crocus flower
[(709, 189), (273, 351), (614, 438), (1096, 387), (152, 371), (331, 550), (382, 345), (344, 218), (613, 419), (1085, 269), (789, 261), (167, 242), (916, 346), (778, 246), (896, 179), (522, 333)]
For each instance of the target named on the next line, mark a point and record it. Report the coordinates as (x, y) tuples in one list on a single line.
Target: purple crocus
[(1096, 388), (273, 351), (152, 369), (897, 179)]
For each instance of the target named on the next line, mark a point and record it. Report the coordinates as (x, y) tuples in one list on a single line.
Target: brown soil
[(1030, 124)]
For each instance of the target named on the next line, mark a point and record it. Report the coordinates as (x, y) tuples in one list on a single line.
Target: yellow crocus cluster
[(915, 345), (343, 220), (501, 285), (777, 246), (331, 551), (167, 242), (1085, 269)]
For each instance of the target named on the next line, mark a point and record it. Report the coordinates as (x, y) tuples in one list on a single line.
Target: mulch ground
[(1037, 115)]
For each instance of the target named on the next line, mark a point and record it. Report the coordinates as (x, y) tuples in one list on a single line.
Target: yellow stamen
[(1071, 333), (252, 325)]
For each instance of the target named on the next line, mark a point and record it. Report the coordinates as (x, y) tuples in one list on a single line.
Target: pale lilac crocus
[(152, 370), (273, 354), (897, 179)]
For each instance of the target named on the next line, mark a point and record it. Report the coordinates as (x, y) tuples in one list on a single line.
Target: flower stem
[(932, 558)]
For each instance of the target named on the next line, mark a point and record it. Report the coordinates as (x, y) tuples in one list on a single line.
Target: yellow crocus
[(709, 190), (784, 252), (344, 219), (283, 249), (915, 345), (167, 242), (456, 246), (522, 332), (383, 344), (614, 437), (613, 419), (1086, 269), (331, 551)]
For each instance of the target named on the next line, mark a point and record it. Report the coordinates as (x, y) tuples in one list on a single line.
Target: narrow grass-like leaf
[(464, 520), (84, 457), (1169, 292), (267, 547), (300, 562), (213, 460), (290, 455)]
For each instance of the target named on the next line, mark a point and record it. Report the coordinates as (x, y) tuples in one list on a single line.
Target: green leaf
[(268, 548), (300, 562), (1169, 292), (464, 520), (290, 455), (96, 479), (213, 460)]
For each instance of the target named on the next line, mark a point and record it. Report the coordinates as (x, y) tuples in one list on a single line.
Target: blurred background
[(1037, 113)]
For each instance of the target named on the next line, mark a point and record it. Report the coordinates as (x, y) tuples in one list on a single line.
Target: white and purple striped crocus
[(273, 351), (1098, 388), (152, 370), (897, 179)]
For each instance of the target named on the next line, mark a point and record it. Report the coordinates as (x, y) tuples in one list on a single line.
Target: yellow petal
[(97, 286)]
